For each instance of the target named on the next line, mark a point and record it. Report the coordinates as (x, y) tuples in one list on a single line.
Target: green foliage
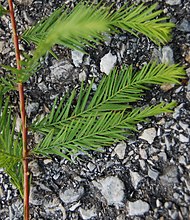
[(2, 11), (98, 119), (10, 146), (87, 24), (115, 93), (106, 118)]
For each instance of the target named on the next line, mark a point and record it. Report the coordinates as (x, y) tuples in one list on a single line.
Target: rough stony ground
[(146, 177)]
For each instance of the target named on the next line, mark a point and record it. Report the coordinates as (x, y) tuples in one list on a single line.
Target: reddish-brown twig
[(23, 115)]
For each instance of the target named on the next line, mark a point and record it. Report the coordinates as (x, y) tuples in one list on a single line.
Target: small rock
[(187, 56), (82, 76), (71, 194), (1, 46), (50, 201), (46, 161), (120, 150), (148, 135), (138, 207), (87, 213), (25, 2), (94, 87), (166, 86), (167, 55), (142, 164), (135, 178), (173, 2), (32, 108), (77, 57), (16, 210), (184, 26), (182, 160), (120, 217), (34, 167), (91, 166), (170, 175), (143, 153), (183, 138), (153, 174), (163, 156), (75, 206), (183, 125), (36, 198), (60, 71), (177, 111), (18, 124), (112, 188), (107, 63), (42, 86)]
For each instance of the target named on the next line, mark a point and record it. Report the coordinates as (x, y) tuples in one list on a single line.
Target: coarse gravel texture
[(146, 177)]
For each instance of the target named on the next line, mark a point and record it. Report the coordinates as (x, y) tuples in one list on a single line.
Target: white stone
[(163, 156), (135, 178), (91, 166), (112, 188), (153, 174), (1, 46), (143, 153), (35, 198), (75, 206), (77, 57), (87, 213), (120, 150), (18, 124), (183, 138), (32, 107), (138, 207), (107, 63), (182, 160), (42, 86), (173, 2), (167, 55), (142, 164), (25, 2), (148, 135), (34, 168), (82, 76), (71, 194)]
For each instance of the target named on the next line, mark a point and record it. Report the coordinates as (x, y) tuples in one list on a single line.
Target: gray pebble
[(148, 134), (120, 150), (31, 108), (112, 188), (135, 178), (1, 46), (173, 2), (169, 176), (25, 2), (77, 57), (167, 55), (107, 63), (87, 213), (153, 174), (138, 207), (184, 26), (71, 194)]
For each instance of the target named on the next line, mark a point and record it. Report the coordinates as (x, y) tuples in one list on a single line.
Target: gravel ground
[(146, 177)]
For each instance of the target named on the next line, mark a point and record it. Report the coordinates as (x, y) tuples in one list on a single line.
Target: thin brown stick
[(23, 115)]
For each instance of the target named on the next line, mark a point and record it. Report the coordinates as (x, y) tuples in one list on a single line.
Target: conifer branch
[(10, 147), (87, 24), (23, 115), (115, 93)]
